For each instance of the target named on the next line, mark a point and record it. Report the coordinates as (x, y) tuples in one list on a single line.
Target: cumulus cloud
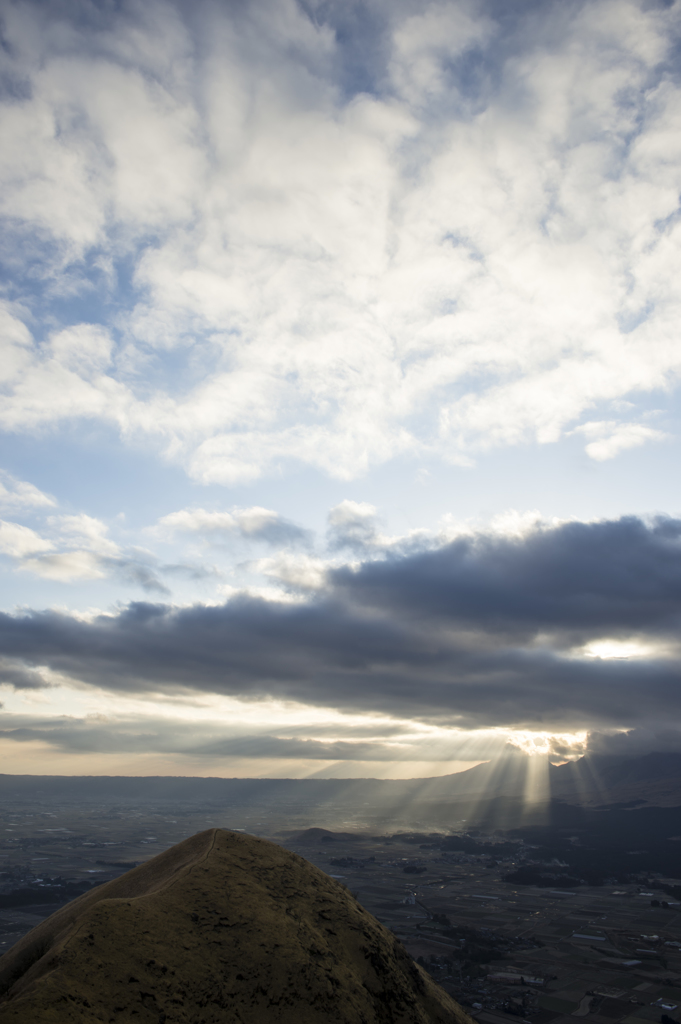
[(257, 524), (86, 530), (356, 526), (636, 741), (484, 631), (66, 566), (425, 46), (18, 540), (79, 549), (353, 524), (348, 235), (296, 573), (63, 379)]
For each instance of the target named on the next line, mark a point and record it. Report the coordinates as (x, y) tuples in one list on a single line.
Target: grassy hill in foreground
[(221, 928)]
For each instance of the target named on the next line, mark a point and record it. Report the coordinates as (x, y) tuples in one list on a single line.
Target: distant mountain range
[(650, 780), (653, 779)]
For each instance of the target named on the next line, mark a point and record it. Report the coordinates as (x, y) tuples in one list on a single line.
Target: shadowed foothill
[(221, 928)]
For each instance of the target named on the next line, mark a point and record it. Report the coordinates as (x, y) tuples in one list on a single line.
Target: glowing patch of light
[(616, 649), (535, 743)]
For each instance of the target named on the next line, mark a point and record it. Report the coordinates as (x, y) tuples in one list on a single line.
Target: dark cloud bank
[(483, 631)]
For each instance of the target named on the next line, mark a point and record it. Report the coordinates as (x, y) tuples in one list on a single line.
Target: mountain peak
[(221, 924)]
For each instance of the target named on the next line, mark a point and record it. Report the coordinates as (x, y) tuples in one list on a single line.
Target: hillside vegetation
[(221, 928)]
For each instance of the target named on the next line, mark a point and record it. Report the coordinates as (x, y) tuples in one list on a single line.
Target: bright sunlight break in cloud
[(340, 383)]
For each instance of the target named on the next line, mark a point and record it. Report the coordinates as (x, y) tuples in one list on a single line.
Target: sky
[(340, 374)]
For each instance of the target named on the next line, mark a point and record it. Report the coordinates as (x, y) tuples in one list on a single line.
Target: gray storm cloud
[(104, 735), (483, 631)]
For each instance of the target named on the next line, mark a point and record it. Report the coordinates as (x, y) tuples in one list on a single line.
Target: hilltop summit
[(222, 927)]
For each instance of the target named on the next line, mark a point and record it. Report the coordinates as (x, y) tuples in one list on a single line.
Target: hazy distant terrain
[(533, 910), (59, 835), (652, 780)]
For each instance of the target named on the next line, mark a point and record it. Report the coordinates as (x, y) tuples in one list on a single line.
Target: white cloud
[(79, 549), (295, 572), (455, 259), (357, 525), (91, 554), (511, 523), (83, 535), (65, 378), (199, 521), (85, 530), (255, 523), (350, 513), (15, 343), (19, 494), (18, 541), (67, 566), (611, 437), (425, 44), (353, 524)]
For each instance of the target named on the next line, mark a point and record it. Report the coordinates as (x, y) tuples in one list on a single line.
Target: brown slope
[(221, 929)]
